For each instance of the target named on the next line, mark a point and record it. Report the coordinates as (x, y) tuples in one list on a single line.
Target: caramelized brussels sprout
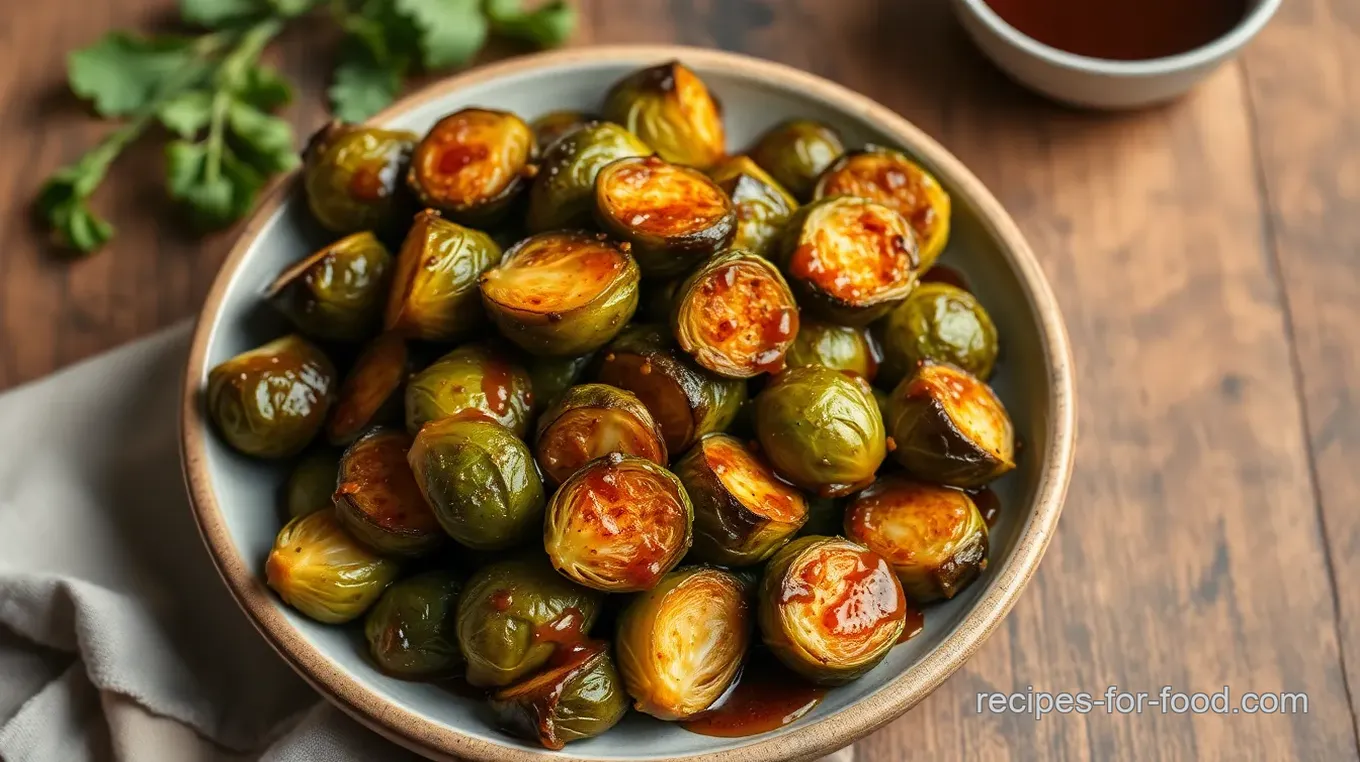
[(412, 631), (950, 427), (371, 393), (938, 323), (762, 206), (554, 124), (337, 293), (686, 400), (934, 537), (472, 164), (563, 193), (838, 347), (735, 315), (796, 153), (742, 512), (271, 401), (318, 569), (378, 501), (672, 216), (434, 292), (551, 377), (352, 175), (562, 293), (890, 178), (593, 420), (670, 108), (821, 430), (481, 481), (473, 381), (311, 483), (514, 614), (578, 697), (682, 643), (830, 609), (618, 524), (850, 259)]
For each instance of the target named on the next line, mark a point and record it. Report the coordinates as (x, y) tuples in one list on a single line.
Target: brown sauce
[(767, 696), (988, 504), (496, 383), (367, 184), (1122, 30), (916, 624), (948, 275)]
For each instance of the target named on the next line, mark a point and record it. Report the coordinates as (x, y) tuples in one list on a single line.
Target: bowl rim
[(806, 741)]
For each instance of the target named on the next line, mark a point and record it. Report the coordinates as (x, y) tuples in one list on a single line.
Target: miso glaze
[(1122, 30)]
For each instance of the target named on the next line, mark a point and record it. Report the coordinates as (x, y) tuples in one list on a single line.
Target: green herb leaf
[(215, 196), (265, 141), (290, 8), (363, 85), (265, 89), (549, 25), (122, 74), (451, 31), (218, 13), (187, 113), (62, 206)]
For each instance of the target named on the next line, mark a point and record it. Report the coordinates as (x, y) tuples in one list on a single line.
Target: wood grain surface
[(1207, 257)]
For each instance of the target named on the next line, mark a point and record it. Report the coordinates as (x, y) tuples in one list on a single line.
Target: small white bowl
[(1097, 82)]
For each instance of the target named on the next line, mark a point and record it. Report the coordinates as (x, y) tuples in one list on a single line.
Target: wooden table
[(1207, 257)]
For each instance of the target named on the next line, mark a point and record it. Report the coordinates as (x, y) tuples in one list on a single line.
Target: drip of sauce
[(988, 504), (1122, 30), (367, 183), (496, 386), (946, 274), (566, 634), (767, 696), (916, 624)]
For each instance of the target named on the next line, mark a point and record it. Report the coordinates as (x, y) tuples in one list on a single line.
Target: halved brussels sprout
[(580, 697), (311, 483), (337, 293), (593, 420), (318, 569), (938, 323), (551, 377), (563, 193), (838, 347), (472, 381), (352, 175), (673, 216), (762, 205), (686, 400), (554, 124), (849, 259), (821, 430), (471, 164), (742, 512), (796, 153), (515, 614), (271, 401), (377, 498), (562, 293), (735, 315), (371, 393), (481, 482), (890, 178), (830, 609), (950, 427), (670, 108), (434, 291), (412, 631), (682, 643), (618, 524), (934, 537)]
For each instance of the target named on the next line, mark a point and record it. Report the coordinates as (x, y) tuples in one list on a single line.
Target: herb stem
[(229, 77)]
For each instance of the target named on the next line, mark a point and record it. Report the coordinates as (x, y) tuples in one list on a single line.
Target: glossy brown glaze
[(888, 178), (376, 378), (767, 696), (853, 252), (376, 480), (988, 503), (948, 275), (471, 158), (657, 198), (1123, 30), (916, 624), (742, 312), (497, 384)]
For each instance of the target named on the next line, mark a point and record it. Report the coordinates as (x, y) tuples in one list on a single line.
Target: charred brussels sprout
[(337, 293), (473, 381), (434, 291), (742, 512), (796, 153), (318, 569), (762, 206), (378, 501), (579, 697), (950, 427), (472, 164), (352, 175), (837, 347), (412, 631), (934, 537), (618, 524), (821, 430), (371, 393), (830, 609), (890, 178), (562, 293), (670, 108), (554, 124), (682, 643), (735, 315), (938, 323), (271, 401), (311, 483), (563, 193), (551, 377), (593, 420)]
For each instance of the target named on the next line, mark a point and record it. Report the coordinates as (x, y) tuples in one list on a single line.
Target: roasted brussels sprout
[(371, 393), (762, 206), (950, 428), (686, 400), (830, 609), (934, 537), (742, 512), (672, 216), (378, 501), (434, 291), (593, 420), (735, 315), (670, 108), (578, 697), (412, 631), (554, 124), (271, 401), (514, 614), (838, 347), (472, 164), (563, 193), (562, 293), (796, 153), (336, 294), (311, 483), (938, 323), (551, 377), (318, 569), (821, 430), (892, 179), (471, 381), (850, 259), (682, 643), (618, 524), (352, 175)]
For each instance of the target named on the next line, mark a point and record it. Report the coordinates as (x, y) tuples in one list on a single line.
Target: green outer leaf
[(362, 85), (266, 141), (549, 25), (122, 74), (187, 113), (218, 13), (451, 31)]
